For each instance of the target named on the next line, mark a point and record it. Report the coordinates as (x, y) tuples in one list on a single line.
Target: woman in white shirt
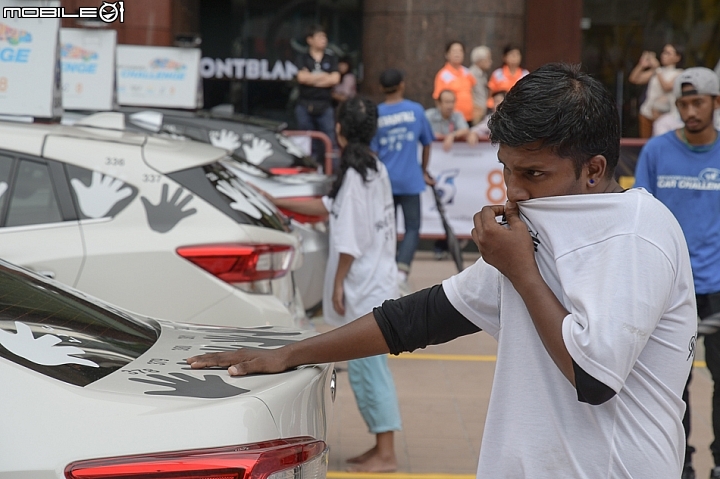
[(659, 77), (361, 270)]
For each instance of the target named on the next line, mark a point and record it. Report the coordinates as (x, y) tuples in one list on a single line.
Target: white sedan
[(91, 391), (155, 225)]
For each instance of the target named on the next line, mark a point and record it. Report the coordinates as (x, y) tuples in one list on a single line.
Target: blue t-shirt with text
[(688, 183), (400, 127)]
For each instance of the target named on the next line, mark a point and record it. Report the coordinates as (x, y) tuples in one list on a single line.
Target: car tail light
[(299, 217), (296, 458), (296, 170), (241, 263)]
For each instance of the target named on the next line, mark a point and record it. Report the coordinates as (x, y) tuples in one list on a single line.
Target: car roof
[(163, 154)]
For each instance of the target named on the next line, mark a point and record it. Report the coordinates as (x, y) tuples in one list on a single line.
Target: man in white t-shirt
[(587, 289)]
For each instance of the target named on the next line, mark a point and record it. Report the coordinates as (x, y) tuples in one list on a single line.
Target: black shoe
[(689, 473), (715, 473)]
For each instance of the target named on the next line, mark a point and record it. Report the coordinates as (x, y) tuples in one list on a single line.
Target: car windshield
[(63, 334), (221, 188)]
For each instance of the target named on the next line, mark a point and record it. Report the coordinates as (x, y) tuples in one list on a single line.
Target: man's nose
[(515, 191)]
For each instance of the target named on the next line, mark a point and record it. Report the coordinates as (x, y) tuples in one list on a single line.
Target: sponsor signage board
[(30, 63), (467, 178), (163, 77), (88, 68)]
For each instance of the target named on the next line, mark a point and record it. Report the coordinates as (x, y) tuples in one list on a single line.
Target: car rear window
[(64, 335), (221, 188)]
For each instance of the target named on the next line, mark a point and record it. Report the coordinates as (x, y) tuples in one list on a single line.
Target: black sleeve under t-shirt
[(427, 317)]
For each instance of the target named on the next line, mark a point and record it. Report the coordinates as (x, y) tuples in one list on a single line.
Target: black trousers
[(707, 304)]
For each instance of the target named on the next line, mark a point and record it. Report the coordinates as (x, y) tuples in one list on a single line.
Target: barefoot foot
[(375, 463), (362, 457)]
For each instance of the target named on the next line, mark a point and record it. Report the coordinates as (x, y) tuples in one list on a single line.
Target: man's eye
[(534, 173)]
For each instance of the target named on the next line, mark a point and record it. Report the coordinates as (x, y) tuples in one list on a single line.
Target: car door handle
[(47, 274)]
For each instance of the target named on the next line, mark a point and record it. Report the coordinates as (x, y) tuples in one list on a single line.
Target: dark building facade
[(248, 46)]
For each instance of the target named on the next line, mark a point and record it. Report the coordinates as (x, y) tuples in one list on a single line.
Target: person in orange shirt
[(456, 78), (504, 78)]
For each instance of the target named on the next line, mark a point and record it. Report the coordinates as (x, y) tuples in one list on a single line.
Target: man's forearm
[(425, 157), (358, 339), (326, 80), (547, 314), (461, 133)]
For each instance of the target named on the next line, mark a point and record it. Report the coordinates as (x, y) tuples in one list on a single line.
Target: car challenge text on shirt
[(708, 179)]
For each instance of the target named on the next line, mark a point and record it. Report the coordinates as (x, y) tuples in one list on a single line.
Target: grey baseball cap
[(703, 80)]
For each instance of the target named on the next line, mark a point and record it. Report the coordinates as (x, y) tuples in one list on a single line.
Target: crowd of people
[(464, 97), (613, 364)]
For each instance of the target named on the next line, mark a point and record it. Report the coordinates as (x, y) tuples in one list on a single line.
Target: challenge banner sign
[(467, 178), (29, 63), (88, 68), (165, 77)]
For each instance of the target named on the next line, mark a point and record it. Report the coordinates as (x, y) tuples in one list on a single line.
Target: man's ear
[(596, 168)]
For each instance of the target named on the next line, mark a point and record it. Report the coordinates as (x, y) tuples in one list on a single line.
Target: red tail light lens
[(296, 458), (241, 263), (291, 170)]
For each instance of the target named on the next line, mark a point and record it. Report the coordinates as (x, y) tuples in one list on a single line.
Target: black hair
[(348, 60), (680, 51), (565, 110), (313, 29), (357, 118), (510, 47), (449, 45)]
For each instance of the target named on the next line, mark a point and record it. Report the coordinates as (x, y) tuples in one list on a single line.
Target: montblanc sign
[(246, 69)]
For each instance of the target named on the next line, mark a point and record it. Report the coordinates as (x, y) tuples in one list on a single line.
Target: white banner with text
[(164, 77), (29, 63), (88, 68), (467, 178)]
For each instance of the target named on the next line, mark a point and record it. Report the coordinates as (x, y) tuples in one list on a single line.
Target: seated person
[(481, 129), (447, 123)]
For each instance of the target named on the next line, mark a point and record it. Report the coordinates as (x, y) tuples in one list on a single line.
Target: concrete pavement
[(444, 392)]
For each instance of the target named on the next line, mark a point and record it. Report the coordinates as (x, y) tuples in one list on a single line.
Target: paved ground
[(443, 393)]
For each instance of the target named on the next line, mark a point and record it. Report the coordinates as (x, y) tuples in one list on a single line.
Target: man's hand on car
[(243, 361)]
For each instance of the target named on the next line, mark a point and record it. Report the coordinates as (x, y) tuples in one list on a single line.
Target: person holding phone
[(659, 77)]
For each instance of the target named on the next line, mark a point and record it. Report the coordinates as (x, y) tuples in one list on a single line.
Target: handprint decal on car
[(225, 139), (181, 384), (43, 350), (290, 145), (243, 200), (257, 150), (104, 192), (167, 213)]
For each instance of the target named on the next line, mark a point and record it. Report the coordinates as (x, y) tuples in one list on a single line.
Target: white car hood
[(156, 403)]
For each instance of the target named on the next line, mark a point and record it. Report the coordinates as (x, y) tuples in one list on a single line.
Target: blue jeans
[(410, 205), (324, 122)]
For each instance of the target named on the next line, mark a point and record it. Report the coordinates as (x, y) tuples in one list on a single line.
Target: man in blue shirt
[(401, 126), (682, 169)]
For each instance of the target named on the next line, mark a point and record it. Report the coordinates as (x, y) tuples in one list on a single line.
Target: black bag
[(315, 108)]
